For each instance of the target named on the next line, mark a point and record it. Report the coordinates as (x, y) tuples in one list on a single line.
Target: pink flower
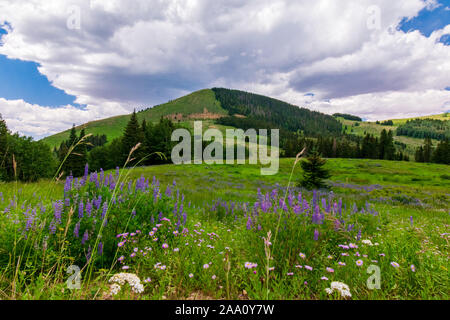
[(330, 270), (165, 246), (359, 263)]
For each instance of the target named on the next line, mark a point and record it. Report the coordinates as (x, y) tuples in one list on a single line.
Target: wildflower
[(148, 280), (299, 266), (330, 270), (413, 268), (125, 267), (165, 246), (359, 263), (176, 250), (302, 255), (121, 244), (121, 259), (308, 268), (121, 278), (353, 246), (316, 235), (133, 255), (85, 237), (340, 287), (214, 277), (395, 264), (330, 257), (324, 278), (191, 275), (250, 265), (205, 266), (341, 263), (290, 273), (368, 242)]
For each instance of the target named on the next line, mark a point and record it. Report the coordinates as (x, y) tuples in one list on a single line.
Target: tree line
[(21, 158), (248, 108), (425, 128), (347, 146), (440, 154)]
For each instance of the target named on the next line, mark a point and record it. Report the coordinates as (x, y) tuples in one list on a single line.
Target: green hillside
[(210, 105), (361, 128), (192, 106)]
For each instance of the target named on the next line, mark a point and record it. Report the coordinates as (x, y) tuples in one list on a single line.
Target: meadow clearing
[(226, 232)]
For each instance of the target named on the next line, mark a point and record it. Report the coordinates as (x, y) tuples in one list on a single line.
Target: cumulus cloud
[(128, 54)]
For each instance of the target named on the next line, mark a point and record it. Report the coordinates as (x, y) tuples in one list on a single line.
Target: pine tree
[(3, 147), (419, 157), (313, 172), (389, 148), (442, 152), (427, 150), (132, 136)]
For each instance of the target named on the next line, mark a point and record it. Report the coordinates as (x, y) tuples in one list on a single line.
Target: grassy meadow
[(226, 232)]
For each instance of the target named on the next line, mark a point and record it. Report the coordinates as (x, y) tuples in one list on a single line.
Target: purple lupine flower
[(105, 209), (184, 218), (100, 248), (30, 220), (249, 223), (52, 227), (316, 235), (68, 185), (88, 208), (80, 209), (57, 209), (358, 237), (85, 237), (86, 172), (411, 220), (76, 230)]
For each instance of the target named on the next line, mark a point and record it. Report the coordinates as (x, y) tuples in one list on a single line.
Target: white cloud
[(40, 121), (432, 4), (140, 53)]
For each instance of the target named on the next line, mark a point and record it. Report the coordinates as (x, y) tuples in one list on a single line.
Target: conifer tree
[(132, 136), (442, 152), (427, 150), (314, 173), (3, 147)]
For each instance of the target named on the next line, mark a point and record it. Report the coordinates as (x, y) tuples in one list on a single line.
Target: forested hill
[(249, 110), (218, 106)]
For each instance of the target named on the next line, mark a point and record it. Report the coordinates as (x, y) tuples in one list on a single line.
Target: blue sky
[(119, 65)]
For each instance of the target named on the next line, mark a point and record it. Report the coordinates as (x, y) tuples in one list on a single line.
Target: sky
[(68, 62)]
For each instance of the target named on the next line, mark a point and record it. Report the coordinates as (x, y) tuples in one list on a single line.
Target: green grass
[(397, 191)]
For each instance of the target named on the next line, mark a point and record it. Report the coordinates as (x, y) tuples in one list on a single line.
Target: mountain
[(219, 108)]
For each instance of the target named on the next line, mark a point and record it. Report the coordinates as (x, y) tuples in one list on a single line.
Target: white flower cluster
[(340, 287), (368, 242), (120, 279)]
